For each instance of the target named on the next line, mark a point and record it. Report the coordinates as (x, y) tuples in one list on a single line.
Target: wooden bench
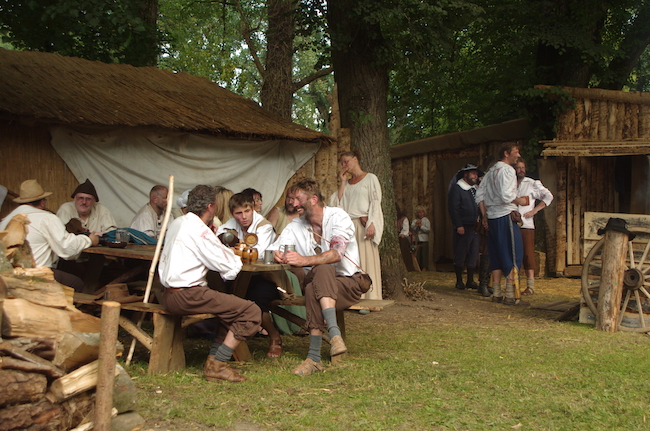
[(166, 343)]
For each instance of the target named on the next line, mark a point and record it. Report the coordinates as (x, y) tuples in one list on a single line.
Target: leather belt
[(174, 289)]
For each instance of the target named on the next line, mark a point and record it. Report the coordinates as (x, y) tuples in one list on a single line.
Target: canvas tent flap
[(125, 163)]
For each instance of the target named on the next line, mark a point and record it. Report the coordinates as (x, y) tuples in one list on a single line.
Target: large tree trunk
[(143, 49), (362, 79), (277, 88)]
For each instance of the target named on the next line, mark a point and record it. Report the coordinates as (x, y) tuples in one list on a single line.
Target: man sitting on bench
[(326, 258), (191, 249)]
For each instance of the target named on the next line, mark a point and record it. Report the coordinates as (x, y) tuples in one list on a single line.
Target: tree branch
[(311, 78), (246, 31)]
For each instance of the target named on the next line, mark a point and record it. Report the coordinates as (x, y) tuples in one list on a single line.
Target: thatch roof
[(56, 89), (508, 130)]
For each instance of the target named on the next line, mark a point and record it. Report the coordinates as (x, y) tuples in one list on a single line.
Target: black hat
[(619, 225), (87, 188), (468, 167)]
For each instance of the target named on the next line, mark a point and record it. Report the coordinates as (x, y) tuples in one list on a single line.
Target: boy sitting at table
[(246, 220)]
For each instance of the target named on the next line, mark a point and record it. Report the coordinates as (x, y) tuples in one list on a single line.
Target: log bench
[(166, 343)]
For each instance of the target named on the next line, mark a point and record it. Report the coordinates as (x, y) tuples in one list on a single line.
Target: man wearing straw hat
[(497, 200), (326, 261), (47, 235), (85, 207), (191, 250)]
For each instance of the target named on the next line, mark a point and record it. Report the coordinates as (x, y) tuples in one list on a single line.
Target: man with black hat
[(464, 215), (46, 235), (85, 207)]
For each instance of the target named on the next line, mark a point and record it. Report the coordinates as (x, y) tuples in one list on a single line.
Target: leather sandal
[(337, 346), (307, 367), (275, 348), (528, 291)]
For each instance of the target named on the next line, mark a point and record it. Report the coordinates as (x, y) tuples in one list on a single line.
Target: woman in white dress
[(360, 197)]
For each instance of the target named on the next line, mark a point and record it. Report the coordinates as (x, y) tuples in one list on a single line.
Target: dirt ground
[(452, 307)]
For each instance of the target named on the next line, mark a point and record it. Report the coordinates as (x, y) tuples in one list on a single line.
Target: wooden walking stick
[(515, 270), (154, 261)]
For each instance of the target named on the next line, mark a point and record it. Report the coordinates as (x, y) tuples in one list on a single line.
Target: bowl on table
[(116, 244)]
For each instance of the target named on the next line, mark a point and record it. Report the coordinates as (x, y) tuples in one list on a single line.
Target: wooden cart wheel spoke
[(630, 249), (644, 256), (636, 278), (640, 308), (645, 292), (624, 307)]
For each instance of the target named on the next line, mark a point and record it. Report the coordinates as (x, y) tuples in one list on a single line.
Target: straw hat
[(30, 191)]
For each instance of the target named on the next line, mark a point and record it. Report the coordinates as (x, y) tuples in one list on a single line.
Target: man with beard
[(497, 200), (326, 261), (280, 217), (535, 190), (149, 218), (464, 215), (85, 207)]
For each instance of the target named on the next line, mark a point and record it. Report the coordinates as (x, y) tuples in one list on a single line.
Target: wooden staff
[(154, 261)]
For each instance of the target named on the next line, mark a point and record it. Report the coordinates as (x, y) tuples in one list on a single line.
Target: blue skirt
[(503, 236)]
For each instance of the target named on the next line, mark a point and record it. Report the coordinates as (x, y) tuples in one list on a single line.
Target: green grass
[(416, 374)]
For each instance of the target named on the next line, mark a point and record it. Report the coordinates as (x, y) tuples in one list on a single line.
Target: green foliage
[(101, 30)]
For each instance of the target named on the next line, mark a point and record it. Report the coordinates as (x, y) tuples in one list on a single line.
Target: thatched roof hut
[(49, 102)]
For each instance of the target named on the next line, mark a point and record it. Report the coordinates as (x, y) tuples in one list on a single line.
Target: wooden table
[(131, 251)]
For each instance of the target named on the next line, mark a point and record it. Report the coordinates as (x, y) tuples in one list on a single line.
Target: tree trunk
[(143, 49), (277, 88), (362, 79)]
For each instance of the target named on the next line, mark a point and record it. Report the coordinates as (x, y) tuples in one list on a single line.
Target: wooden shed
[(599, 160), (423, 169), (53, 107)]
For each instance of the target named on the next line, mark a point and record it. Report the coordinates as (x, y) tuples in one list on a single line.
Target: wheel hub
[(633, 279)]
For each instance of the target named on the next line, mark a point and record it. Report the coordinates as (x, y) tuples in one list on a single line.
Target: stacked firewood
[(49, 357)]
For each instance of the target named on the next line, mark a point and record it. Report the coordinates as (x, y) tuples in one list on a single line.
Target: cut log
[(41, 415), (37, 363), (76, 382), (9, 363), (22, 318), (106, 370), (40, 272), (36, 290), (43, 347), (83, 322), (76, 349), (20, 387)]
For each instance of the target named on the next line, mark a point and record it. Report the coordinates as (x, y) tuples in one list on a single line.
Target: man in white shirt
[(191, 250), (497, 198), (535, 191), (246, 220), (85, 207), (280, 217), (421, 226), (149, 218), (47, 235), (326, 261)]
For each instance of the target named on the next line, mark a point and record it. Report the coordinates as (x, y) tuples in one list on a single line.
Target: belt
[(175, 289)]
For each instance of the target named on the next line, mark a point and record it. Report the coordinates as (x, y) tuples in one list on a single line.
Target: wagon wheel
[(636, 281)]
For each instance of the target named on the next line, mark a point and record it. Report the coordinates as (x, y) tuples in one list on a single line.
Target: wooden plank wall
[(28, 154), (423, 179)]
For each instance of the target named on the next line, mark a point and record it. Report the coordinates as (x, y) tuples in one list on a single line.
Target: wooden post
[(610, 292), (106, 368)]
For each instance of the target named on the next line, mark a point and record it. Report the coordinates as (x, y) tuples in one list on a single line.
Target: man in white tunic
[(191, 250), (149, 218), (85, 207), (535, 191), (47, 235), (326, 261), (497, 199)]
